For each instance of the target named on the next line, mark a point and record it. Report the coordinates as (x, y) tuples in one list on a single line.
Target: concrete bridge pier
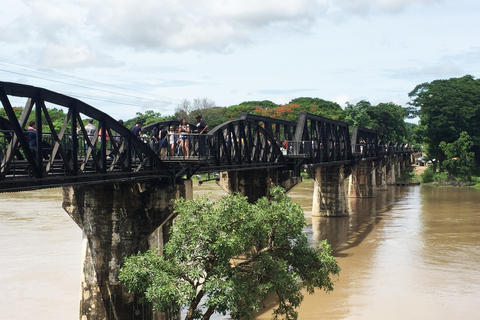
[(403, 164), (256, 184), (391, 172), (362, 181), (380, 176), (118, 220), (398, 167), (330, 193), (407, 160)]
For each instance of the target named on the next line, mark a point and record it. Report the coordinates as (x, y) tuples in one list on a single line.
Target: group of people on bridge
[(170, 141)]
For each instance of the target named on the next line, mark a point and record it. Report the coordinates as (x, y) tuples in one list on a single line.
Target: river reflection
[(409, 253)]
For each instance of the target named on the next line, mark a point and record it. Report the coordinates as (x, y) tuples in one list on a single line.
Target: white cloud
[(198, 25), (364, 7), (81, 56)]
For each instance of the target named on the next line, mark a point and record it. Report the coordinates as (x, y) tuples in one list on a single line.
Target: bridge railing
[(365, 150), (298, 149), (181, 146), (55, 163)]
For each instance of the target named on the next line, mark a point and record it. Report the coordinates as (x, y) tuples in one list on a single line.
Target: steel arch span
[(238, 144), (51, 157)]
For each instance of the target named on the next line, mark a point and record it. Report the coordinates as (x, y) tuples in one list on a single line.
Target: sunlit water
[(409, 253)]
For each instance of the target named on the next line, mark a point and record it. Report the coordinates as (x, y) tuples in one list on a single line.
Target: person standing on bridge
[(171, 139), (32, 136), (184, 129), (154, 143), (163, 143), (90, 129), (202, 141), (137, 129)]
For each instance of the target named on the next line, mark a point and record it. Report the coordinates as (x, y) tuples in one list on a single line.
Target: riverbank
[(416, 175)]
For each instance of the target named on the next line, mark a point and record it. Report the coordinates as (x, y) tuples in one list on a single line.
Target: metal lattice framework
[(365, 143), (281, 130), (321, 141), (69, 155), (244, 144)]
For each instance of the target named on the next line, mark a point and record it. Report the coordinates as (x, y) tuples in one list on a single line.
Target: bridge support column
[(118, 220), (403, 165), (381, 176), (362, 181), (329, 193), (391, 172), (398, 167), (256, 184)]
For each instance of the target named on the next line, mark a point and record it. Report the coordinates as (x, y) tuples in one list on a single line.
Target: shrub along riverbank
[(427, 175)]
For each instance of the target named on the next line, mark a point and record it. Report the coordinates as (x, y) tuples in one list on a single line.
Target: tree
[(233, 112), (357, 114), (205, 107), (229, 256), (213, 116), (388, 119), (446, 108), (459, 156), (183, 109), (317, 106), (148, 117)]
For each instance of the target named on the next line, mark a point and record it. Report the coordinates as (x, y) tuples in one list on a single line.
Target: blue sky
[(125, 56)]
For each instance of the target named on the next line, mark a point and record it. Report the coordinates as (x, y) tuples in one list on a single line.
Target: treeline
[(387, 118)]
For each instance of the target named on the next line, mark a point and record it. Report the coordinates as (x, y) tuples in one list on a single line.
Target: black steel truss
[(70, 156)]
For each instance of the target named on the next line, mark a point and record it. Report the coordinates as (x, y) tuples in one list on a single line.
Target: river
[(410, 253)]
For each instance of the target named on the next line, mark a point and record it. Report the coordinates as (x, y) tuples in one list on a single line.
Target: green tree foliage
[(228, 256), (357, 114), (291, 110), (327, 109), (213, 116), (446, 108), (388, 119), (233, 112), (148, 117), (415, 134), (459, 156), (56, 115), (205, 107)]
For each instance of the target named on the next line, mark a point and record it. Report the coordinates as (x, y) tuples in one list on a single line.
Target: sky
[(127, 56)]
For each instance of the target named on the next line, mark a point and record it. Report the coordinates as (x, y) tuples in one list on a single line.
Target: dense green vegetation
[(241, 253), (449, 112), (388, 119)]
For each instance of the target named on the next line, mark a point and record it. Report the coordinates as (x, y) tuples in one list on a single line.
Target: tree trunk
[(208, 313), (193, 306)]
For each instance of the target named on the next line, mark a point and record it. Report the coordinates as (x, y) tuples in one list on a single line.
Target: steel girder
[(243, 144), (69, 155)]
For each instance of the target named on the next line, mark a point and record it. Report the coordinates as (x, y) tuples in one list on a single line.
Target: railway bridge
[(120, 190)]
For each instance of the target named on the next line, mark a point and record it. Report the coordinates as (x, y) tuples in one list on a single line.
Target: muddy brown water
[(409, 253)]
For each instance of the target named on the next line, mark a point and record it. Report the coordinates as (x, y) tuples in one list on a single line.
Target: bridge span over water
[(119, 189), (68, 156)]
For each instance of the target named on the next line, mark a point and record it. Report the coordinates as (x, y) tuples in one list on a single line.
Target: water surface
[(409, 253)]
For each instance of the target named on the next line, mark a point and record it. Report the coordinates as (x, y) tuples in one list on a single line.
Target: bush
[(428, 175), (304, 175), (441, 177)]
